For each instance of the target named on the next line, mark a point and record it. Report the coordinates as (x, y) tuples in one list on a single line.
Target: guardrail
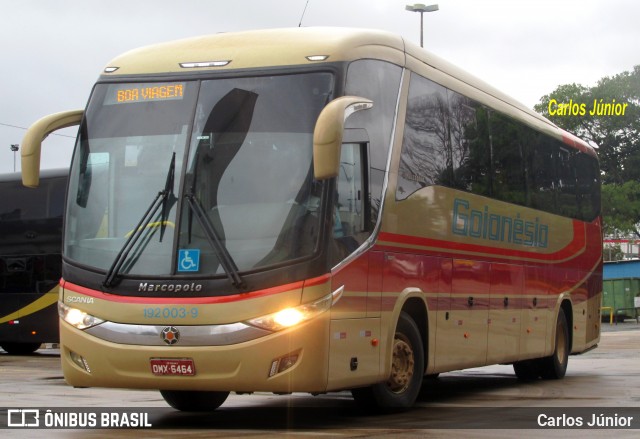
[(612, 312), (610, 308)]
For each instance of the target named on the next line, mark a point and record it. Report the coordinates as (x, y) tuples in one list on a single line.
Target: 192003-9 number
[(170, 313)]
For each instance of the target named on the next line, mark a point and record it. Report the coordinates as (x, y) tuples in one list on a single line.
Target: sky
[(52, 51)]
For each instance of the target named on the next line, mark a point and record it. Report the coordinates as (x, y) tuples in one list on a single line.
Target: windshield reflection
[(251, 169)]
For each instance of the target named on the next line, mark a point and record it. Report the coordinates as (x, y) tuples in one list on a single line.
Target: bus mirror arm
[(32, 142), (327, 135)]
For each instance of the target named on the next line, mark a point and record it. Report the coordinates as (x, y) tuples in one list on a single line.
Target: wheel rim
[(402, 365)]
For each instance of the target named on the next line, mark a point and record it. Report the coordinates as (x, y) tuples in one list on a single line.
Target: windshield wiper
[(164, 199), (227, 262), (169, 197)]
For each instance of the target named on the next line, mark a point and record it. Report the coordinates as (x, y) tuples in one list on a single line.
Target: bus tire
[(20, 348), (194, 401), (526, 370), (554, 367), (401, 389)]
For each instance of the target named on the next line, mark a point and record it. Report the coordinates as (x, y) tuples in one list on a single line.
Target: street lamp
[(14, 148), (419, 7)]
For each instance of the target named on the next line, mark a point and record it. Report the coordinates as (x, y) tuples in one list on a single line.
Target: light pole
[(419, 7), (14, 148)]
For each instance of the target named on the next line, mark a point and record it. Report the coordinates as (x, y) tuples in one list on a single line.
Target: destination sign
[(146, 92)]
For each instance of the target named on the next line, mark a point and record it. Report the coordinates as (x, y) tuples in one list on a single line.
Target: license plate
[(173, 366)]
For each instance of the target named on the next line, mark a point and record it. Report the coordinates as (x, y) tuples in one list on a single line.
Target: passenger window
[(587, 186), (470, 152), (507, 164), (456, 142), (566, 180), (426, 148)]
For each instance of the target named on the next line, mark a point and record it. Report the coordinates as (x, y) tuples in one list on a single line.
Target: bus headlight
[(77, 318), (289, 317)]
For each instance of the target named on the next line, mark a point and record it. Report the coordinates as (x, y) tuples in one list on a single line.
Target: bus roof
[(261, 48), (293, 47)]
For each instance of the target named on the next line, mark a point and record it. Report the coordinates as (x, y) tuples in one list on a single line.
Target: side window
[(351, 223), (508, 172), (542, 175), (10, 199), (19, 203), (471, 155), (380, 82), (426, 157), (566, 183), (446, 141), (456, 142), (57, 190), (587, 186)]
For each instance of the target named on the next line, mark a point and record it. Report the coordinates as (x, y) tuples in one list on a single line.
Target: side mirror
[(327, 135), (32, 142)]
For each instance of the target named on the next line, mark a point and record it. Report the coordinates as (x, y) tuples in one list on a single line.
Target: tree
[(617, 137), (612, 253), (621, 208)]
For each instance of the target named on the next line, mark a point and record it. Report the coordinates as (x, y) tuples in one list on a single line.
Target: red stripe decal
[(575, 247)]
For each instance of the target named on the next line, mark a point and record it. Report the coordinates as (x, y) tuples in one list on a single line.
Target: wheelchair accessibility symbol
[(188, 260)]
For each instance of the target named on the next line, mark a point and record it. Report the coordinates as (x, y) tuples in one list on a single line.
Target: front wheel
[(194, 401), (407, 368)]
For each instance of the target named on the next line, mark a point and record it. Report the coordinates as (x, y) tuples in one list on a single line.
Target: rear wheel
[(555, 366), (21, 348), (526, 370), (407, 367), (194, 401)]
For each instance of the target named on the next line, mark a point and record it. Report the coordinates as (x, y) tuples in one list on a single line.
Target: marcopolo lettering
[(483, 224), (170, 288)]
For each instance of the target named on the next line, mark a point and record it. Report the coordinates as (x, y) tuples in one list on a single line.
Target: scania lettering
[(79, 299)]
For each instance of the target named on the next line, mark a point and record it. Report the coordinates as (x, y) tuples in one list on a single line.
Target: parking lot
[(481, 402)]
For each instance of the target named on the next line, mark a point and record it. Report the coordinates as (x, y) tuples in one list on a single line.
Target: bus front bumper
[(291, 360)]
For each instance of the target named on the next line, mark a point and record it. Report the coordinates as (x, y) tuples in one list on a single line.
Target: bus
[(317, 210), (30, 260)]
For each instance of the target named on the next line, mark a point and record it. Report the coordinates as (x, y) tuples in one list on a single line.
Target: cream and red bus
[(314, 210)]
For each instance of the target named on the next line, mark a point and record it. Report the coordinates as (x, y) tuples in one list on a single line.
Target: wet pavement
[(480, 402)]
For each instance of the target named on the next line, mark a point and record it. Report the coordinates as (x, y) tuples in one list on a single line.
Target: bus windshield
[(242, 187)]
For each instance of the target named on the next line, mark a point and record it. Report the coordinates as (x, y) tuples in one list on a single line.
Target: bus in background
[(30, 260), (314, 210)]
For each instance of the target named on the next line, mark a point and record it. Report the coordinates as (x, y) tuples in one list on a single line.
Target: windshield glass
[(250, 170), (248, 147)]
